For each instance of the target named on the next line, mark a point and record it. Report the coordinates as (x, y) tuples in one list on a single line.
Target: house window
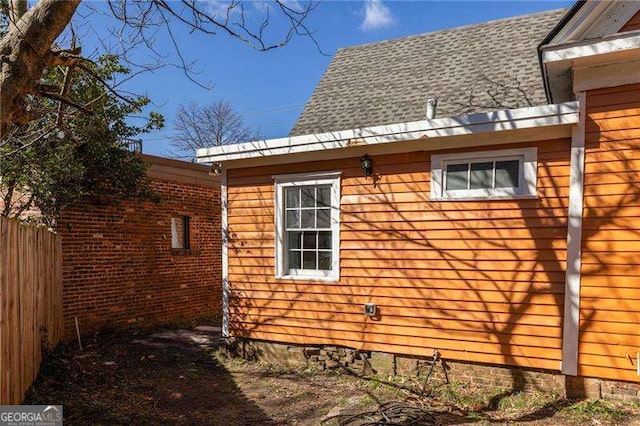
[(180, 233), (307, 225), (487, 174)]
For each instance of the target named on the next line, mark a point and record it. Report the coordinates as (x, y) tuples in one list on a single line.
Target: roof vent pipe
[(432, 103)]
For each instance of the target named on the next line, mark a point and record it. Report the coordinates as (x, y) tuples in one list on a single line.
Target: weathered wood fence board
[(30, 304)]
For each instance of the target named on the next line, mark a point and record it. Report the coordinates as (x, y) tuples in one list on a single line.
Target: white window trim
[(526, 187), (175, 243), (302, 179)]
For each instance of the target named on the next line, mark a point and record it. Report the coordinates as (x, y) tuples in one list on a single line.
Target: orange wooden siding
[(632, 24), (480, 281), (610, 292)]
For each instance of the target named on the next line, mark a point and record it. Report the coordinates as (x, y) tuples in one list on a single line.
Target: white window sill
[(330, 279), (485, 198)]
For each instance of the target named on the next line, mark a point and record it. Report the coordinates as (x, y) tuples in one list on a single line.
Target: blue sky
[(270, 88)]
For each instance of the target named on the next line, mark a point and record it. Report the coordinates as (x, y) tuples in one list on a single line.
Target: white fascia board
[(611, 44), (613, 74), (495, 121), (584, 17), (596, 19)]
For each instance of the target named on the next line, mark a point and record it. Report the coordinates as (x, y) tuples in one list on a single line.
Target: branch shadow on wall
[(480, 281)]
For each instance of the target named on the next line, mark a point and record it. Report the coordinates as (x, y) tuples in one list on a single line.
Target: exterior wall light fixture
[(367, 165)]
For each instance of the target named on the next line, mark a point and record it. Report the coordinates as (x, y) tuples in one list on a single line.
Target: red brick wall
[(119, 269)]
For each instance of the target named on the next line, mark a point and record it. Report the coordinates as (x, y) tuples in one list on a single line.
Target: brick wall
[(119, 268), (388, 364), (602, 388)]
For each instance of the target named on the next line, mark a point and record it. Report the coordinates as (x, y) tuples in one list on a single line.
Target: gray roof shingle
[(476, 68)]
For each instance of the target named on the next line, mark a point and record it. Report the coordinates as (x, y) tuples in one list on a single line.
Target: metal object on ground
[(436, 357)]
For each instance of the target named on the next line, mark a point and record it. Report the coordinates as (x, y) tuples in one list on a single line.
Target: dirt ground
[(180, 377)]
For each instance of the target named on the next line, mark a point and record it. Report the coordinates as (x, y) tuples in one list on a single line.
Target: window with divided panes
[(483, 175), (308, 228), (504, 173)]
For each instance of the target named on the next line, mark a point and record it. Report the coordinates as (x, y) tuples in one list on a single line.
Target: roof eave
[(559, 60), (559, 26), (585, 23), (494, 122)]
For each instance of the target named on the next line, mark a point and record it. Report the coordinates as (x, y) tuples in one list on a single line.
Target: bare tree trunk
[(25, 52), (16, 11)]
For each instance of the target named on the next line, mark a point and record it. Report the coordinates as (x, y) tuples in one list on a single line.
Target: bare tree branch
[(28, 48), (202, 126), (46, 92)]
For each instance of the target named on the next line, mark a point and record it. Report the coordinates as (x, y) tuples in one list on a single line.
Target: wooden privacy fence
[(30, 304)]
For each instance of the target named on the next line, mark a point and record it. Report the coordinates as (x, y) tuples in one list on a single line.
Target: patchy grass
[(598, 411), (482, 405), (461, 395), (120, 379), (517, 402)]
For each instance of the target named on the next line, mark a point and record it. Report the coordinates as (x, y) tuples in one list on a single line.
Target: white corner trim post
[(225, 254), (571, 327)]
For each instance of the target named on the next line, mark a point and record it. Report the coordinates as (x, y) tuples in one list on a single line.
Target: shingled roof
[(477, 68)]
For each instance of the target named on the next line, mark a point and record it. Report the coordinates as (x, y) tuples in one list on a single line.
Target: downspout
[(543, 71)]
